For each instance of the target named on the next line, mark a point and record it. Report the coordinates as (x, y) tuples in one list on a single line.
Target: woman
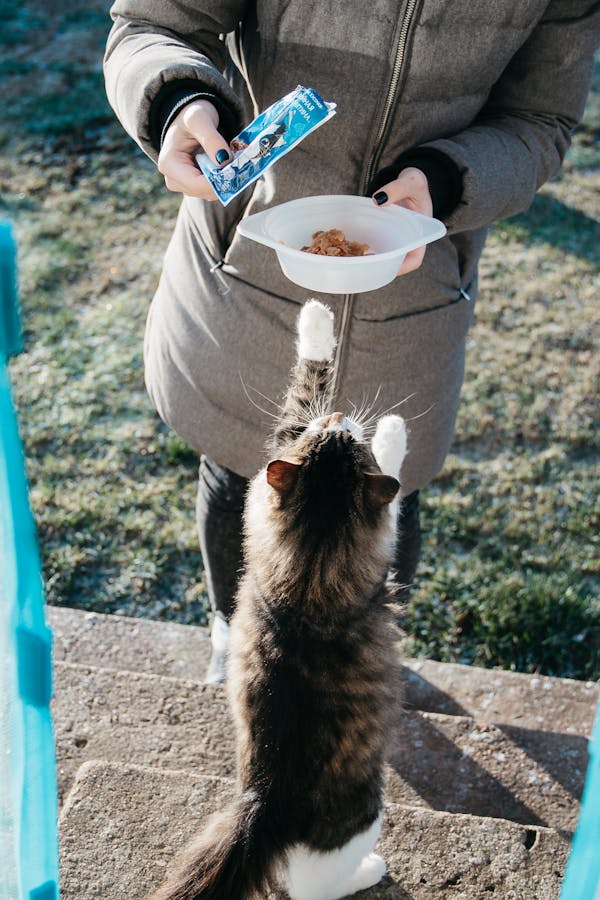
[(459, 109)]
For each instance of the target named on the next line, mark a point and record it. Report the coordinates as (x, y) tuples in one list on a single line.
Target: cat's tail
[(233, 859)]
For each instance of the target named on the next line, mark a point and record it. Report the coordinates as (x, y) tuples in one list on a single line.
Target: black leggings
[(219, 510)]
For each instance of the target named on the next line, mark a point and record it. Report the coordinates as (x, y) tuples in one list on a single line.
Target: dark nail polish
[(221, 156), (380, 198)]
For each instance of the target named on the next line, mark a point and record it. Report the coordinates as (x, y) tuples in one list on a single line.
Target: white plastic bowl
[(390, 232)]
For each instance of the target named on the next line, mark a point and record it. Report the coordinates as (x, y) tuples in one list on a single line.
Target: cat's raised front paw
[(315, 332), (389, 444)]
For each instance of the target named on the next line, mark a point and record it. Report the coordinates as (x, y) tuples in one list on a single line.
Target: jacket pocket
[(462, 295), (435, 285), (410, 344)]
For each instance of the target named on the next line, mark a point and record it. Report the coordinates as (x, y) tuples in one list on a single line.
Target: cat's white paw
[(389, 444), (371, 870), (316, 339)]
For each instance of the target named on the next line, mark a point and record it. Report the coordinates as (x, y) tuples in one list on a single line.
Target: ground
[(510, 572)]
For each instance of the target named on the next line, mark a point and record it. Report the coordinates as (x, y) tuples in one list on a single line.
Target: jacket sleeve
[(520, 138), (156, 42)]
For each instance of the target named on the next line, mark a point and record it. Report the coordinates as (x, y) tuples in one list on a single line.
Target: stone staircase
[(484, 780)]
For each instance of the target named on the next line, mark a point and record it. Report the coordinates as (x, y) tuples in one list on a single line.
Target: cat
[(311, 670)]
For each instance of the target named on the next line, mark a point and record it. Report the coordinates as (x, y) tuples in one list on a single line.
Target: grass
[(510, 574)]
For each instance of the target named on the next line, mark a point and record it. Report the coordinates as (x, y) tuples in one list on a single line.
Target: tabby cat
[(311, 671)]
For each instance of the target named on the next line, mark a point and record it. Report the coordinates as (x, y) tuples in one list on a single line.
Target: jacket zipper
[(391, 95), (348, 301)]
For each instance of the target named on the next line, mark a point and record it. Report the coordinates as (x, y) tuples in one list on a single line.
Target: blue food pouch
[(270, 136)]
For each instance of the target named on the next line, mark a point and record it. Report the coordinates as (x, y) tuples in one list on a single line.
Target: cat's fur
[(311, 668)]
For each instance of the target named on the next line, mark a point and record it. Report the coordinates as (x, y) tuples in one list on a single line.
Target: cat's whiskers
[(319, 404), (306, 416), (266, 412), (358, 413), (361, 414), (278, 406), (316, 409), (366, 407), (369, 431), (365, 416), (420, 415), (379, 414)]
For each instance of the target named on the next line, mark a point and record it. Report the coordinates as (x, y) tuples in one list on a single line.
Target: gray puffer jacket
[(497, 87)]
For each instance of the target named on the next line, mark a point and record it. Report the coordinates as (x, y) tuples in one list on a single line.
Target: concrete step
[(448, 763), (122, 825), (458, 764), (135, 717), (125, 643), (182, 651), (560, 705)]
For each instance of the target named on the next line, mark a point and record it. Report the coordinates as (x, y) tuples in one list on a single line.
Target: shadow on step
[(432, 769), (419, 693), (563, 756), (454, 764)]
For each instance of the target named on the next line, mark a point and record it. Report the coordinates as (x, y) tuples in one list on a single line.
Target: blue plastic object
[(28, 797), (10, 323), (582, 877)]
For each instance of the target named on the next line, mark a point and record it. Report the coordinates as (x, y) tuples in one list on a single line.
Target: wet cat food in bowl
[(389, 232), (335, 243)]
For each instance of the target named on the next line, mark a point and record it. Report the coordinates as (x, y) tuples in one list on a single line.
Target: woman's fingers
[(182, 176), (409, 189), (200, 119), (193, 129), (412, 261), (202, 189)]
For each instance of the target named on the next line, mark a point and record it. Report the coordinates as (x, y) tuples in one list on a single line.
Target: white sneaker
[(219, 638)]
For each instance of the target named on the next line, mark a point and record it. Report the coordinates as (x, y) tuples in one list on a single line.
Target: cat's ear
[(382, 488), (282, 474)]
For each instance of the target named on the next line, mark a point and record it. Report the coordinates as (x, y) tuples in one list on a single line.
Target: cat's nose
[(333, 421), (339, 422)]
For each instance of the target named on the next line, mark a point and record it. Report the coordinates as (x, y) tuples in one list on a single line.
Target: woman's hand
[(409, 189), (195, 127)]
